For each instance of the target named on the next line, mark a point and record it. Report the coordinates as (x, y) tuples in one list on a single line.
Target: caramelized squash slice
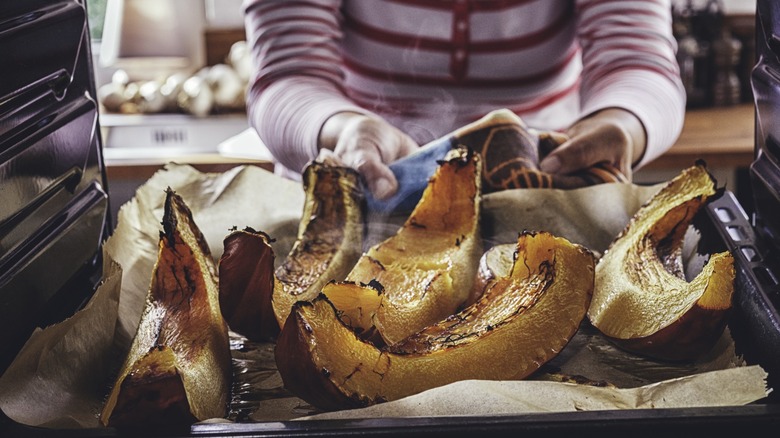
[(246, 284), (520, 322), (330, 236), (427, 268), (642, 300), (178, 369)]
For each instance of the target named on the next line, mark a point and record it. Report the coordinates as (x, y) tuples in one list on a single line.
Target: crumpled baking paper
[(63, 373), (58, 378), (484, 398)]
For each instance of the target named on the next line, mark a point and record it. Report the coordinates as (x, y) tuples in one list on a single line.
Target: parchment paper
[(64, 371), (480, 397), (58, 378)]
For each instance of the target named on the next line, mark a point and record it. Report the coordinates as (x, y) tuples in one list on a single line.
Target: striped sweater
[(430, 66)]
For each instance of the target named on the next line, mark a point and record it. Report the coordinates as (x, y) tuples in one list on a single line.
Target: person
[(372, 80)]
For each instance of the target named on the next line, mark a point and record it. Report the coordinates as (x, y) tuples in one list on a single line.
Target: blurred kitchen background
[(171, 77)]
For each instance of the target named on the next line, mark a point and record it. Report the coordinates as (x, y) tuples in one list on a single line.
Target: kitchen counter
[(722, 137), (123, 167)]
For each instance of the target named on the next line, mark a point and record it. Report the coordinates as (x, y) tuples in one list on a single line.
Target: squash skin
[(642, 301), (428, 267), (178, 368), (246, 284), (535, 312)]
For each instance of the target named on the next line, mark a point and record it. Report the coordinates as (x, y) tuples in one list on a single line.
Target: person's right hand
[(367, 144)]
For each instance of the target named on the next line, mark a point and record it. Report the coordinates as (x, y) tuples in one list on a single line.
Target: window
[(96, 12)]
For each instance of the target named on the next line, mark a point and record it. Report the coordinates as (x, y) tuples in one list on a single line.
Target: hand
[(612, 135), (367, 144)]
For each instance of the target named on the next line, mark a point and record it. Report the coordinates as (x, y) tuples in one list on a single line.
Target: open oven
[(54, 218)]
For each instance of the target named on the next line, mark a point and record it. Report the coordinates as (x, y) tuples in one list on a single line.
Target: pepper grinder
[(726, 88)]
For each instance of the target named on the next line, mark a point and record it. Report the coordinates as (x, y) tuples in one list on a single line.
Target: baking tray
[(51, 154)]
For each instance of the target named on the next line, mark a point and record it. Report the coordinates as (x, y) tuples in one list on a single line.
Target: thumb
[(551, 164), (380, 179), (573, 155), (404, 145)]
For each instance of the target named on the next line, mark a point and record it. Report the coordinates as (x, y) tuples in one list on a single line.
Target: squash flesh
[(640, 289), (427, 268), (521, 322)]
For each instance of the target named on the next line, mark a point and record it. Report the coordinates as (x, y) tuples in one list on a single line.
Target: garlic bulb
[(196, 97)]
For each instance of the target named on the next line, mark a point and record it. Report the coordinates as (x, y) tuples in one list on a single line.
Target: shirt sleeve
[(296, 86), (629, 62)]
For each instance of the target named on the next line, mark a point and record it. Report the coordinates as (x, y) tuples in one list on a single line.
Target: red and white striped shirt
[(431, 66)]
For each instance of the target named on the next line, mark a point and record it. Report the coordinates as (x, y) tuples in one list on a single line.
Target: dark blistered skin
[(330, 237), (157, 396), (303, 376), (246, 284), (686, 339), (175, 207), (324, 231)]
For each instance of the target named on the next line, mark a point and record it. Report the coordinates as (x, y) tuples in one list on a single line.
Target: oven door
[(53, 202)]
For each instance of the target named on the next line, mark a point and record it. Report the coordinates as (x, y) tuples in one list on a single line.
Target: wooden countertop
[(722, 137)]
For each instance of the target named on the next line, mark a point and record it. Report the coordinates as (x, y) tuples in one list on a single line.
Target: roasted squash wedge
[(520, 322), (642, 300), (330, 236), (427, 268), (246, 284), (178, 369)]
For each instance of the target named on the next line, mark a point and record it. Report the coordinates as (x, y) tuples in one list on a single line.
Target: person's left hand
[(613, 135)]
